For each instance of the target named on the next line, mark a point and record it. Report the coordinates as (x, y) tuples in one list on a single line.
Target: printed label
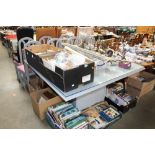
[(86, 78)]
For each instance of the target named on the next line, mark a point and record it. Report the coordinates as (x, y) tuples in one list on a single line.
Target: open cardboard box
[(138, 88), (62, 76), (42, 48), (35, 83), (42, 99)]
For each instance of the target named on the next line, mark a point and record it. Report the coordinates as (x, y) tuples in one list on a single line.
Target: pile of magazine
[(67, 116), (101, 115)]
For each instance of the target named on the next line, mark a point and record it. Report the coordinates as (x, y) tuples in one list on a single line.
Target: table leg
[(90, 99)]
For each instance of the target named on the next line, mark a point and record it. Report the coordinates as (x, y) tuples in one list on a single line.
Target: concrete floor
[(16, 109), (140, 117), (15, 103)]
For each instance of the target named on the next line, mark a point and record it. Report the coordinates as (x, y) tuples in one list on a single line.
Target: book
[(91, 112), (126, 97), (69, 114), (100, 107), (58, 106), (83, 125), (97, 123), (51, 119), (64, 109), (76, 121), (109, 114), (93, 116)]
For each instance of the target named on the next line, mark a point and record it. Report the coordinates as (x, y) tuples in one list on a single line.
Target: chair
[(18, 62), (32, 42), (45, 39), (20, 68), (75, 41), (52, 41), (60, 42), (21, 45), (27, 71)]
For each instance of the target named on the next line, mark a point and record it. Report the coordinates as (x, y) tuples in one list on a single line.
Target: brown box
[(35, 83), (138, 88), (42, 48), (42, 99), (134, 91)]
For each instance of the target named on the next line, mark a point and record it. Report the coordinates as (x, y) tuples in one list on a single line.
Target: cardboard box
[(42, 99), (35, 83), (138, 92), (64, 79), (137, 87)]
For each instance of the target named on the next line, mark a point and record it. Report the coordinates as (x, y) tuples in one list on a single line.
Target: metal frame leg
[(27, 73)]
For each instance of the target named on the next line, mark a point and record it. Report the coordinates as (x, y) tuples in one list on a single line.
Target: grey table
[(89, 94)]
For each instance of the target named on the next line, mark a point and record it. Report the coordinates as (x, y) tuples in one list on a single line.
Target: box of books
[(66, 116), (94, 119), (101, 115), (119, 98)]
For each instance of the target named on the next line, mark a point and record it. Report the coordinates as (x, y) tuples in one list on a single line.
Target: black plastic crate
[(121, 108)]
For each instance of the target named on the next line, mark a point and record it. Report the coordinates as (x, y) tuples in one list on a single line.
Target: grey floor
[(15, 104), (140, 117), (16, 110)]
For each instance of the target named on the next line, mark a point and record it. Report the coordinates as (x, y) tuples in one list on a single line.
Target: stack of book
[(118, 96), (66, 115), (101, 115)]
